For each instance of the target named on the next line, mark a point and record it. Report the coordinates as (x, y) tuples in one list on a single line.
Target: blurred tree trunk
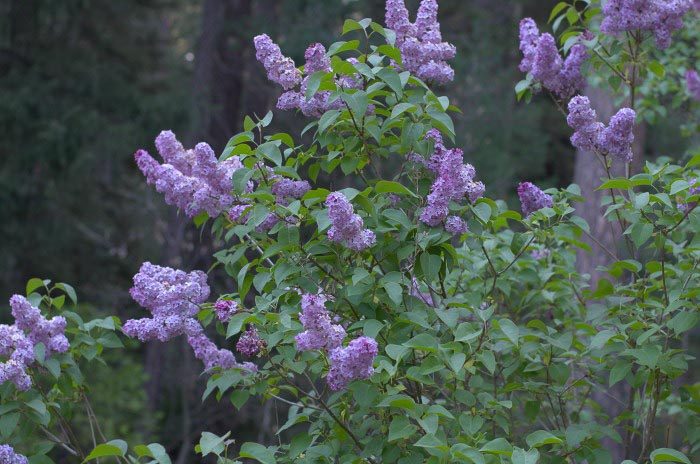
[(588, 173)]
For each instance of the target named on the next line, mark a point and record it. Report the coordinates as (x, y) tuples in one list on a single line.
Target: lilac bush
[(409, 318)]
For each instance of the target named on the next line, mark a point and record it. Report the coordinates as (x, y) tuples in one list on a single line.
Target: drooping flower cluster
[(320, 333), (353, 362), (692, 81), (591, 135), (660, 17), (17, 341), (9, 456), (192, 180), (540, 254), (423, 52), (542, 60), (346, 226), (532, 198), (454, 180), (173, 298), (250, 343), (280, 69)]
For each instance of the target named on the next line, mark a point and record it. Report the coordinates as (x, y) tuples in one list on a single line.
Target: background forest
[(84, 82)]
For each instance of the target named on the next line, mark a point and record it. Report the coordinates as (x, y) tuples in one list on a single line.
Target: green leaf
[(33, 284), (488, 359), (210, 443), (497, 446), (678, 186), (430, 265), (510, 330), (429, 441), (482, 210), (619, 372), (668, 455), (621, 183), (641, 232), (112, 448), (351, 25), (443, 122), (68, 290), (386, 186), (556, 10), (400, 428), (159, 454), (520, 456), (542, 438), (357, 102), (258, 452), (395, 291), (657, 68), (399, 109)]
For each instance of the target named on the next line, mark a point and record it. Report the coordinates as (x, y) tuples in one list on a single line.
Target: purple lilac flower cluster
[(660, 17), (17, 341), (9, 456), (250, 343), (456, 225), (279, 69), (192, 180), (224, 309), (540, 254), (320, 333), (353, 362), (693, 189), (173, 298), (542, 60), (454, 180), (422, 50), (591, 135), (346, 226), (692, 81), (532, 198), (347, 363)]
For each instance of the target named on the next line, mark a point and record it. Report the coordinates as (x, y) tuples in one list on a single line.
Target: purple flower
[(617, 138), (173, 298), (659, 17), (316, 59), (225, 309), (532, 198), (250, 343), (542, 60), (423, 52), (353, 362), (320, 333), (192, 180), (346, 226), (50, 332), (692, 81), (286, 188), (454, 181), (8, 456), (456, 225), (280, 69), (694, 189), (540, 254), (590, 135), (19, 351)]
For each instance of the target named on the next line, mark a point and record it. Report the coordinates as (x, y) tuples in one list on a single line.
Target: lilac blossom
[(423, 52), (454, 180), (456, 225), (320, 333), (590, 135), (280, 69), (224, 309), (692, 81), (659, 17), (173, 298), (346, 226), (542, 60), (693, 189), (9, 456), (19, 351), (532, 198), (540, 254), (49, 332), (250, 343), (192, 180), (353, 362), (287, 188)]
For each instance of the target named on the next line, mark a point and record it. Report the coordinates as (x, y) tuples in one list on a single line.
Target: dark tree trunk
[(607, 235)]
